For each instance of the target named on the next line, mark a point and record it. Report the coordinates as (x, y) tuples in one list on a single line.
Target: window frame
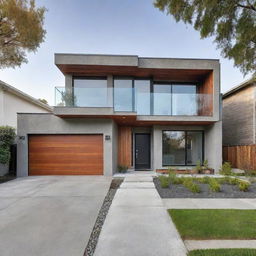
[(186, 132)]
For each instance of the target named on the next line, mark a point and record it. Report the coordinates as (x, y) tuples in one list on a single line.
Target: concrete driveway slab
[(37, 222)]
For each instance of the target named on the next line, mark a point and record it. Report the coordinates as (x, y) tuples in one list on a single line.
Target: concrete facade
[(50, 124), (83, 119), (13, 101)]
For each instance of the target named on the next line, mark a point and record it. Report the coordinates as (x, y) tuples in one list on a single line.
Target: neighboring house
[(13, 101), (239, 126), (144, 113), (239, 115)]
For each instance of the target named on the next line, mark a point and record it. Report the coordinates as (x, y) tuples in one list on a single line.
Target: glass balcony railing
[(130, 100)]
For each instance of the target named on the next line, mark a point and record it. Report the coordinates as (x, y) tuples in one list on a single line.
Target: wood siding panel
[(206, 89), (125, 146), (242, 157), (238, 116), (65, 155)]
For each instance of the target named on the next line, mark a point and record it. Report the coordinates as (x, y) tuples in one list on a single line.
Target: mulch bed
[(91, 246), (227, 191)]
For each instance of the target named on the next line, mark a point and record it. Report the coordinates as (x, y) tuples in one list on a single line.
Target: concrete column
[(110, 85), (68, 82), (213, 145)]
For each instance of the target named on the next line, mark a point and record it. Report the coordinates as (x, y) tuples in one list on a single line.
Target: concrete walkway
[(212, 203), (138, 224), (49, 215), (219, 244)]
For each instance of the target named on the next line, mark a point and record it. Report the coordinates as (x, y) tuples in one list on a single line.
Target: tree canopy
[(231, 22), (21, 30)]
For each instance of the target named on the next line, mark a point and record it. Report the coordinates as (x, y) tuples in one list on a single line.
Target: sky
[(132, 27)]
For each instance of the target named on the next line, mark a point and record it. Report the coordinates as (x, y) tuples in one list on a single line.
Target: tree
[(231, 22), (21, 31)]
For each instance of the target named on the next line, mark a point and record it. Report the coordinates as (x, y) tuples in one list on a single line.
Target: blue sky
[(110, 27)]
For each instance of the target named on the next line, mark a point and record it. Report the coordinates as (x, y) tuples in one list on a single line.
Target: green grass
[(215, 224), (223, 252)]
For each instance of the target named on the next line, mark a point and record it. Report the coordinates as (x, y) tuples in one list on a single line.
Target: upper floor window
[(175, 99), (90, 92)]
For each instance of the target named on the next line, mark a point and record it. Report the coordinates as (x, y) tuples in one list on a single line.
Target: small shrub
[(205, 164), (226, 169), (4, 155), (250, 172), (206, 180), (243, 186), (164, 181), (173, 177), (193, 187), (233, 181), (214, 185), (122, 168), (198, 167)]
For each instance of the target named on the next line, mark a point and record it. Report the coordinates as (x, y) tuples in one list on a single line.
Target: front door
[(142, 151)]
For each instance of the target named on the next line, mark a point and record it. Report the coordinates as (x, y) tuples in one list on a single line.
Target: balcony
[(114, 101)]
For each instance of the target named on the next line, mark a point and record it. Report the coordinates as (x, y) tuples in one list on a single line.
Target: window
[(142, 97), (123, 95), (184, 100), (162, 99), (182, 147), (90, 92), (175, 99)]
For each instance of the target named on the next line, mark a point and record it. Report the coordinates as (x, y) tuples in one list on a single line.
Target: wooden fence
[(242, 157)]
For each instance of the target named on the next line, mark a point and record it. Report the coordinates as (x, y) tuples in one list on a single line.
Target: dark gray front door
[(142, 151)]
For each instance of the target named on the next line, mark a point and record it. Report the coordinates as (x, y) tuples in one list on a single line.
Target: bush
[(122, 168), (250, 172), (164, 181), (243, 186), (174, 179), (4, 155), (7, 136), (226, 169), (214, 185), (193, 187)]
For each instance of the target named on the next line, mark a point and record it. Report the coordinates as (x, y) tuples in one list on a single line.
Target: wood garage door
[(65, 155)]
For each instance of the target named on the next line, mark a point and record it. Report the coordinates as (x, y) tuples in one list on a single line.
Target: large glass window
[(142, 96), (194, 147), (182, 147), (184, 101), (90, 92), (123, 95), (162, 99)]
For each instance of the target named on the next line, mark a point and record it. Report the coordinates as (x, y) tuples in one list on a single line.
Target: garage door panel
[(65, 155)]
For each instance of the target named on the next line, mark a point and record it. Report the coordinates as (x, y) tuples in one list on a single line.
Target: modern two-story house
[(143, 113)]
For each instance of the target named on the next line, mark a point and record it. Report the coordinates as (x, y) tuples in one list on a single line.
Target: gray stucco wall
[(212, 139), (50, 124)]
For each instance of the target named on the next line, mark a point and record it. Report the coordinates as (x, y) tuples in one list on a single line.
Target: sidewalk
[(138, 224), (210, 203)]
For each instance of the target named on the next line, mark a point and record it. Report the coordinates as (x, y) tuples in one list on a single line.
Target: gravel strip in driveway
[(90, 248)]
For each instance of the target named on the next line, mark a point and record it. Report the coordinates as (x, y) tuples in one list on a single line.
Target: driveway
[(49, 215)]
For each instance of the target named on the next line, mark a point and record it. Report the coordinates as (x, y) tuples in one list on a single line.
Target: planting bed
[(227, 191)]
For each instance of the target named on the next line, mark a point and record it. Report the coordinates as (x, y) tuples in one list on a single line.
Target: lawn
[(223, 252), (215, 224)]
